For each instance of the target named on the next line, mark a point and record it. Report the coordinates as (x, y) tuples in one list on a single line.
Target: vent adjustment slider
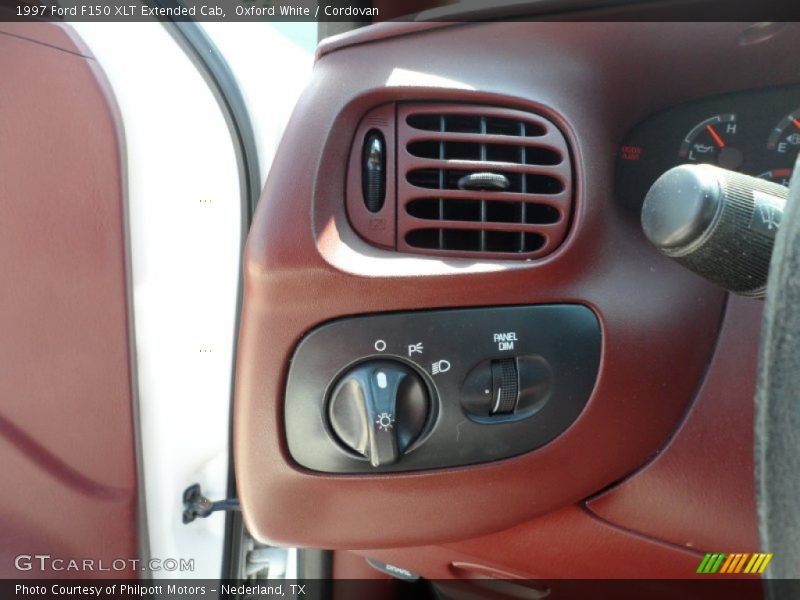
[(484, 181)]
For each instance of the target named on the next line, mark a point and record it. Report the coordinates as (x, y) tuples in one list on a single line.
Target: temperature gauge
[(713, 141), (781, 176)]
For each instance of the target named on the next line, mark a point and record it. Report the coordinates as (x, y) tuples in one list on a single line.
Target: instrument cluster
[(755, 132)]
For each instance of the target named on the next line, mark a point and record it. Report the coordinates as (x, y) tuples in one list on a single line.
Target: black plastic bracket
[(195, 504)]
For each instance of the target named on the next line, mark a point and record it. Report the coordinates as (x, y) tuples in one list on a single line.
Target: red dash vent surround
[(471, 181)]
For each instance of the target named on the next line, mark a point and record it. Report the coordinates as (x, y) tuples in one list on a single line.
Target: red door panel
[(66, 420)]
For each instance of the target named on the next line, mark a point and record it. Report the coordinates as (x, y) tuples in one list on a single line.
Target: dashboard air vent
[(480, 181)]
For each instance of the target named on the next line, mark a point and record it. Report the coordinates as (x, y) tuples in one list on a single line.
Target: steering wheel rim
[(777, 407)]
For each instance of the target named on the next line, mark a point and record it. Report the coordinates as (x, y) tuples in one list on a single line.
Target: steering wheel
[(777, 424)]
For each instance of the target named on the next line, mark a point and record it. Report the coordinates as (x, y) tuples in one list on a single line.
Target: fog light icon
[(440, 366)]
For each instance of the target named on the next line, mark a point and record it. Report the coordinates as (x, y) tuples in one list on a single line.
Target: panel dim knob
[(508, 386)]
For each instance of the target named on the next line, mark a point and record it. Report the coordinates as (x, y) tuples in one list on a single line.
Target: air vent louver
[(446, 151)]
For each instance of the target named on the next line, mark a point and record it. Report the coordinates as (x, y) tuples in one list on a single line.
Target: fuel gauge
[(713, 141), (784, 145), (785, 138)]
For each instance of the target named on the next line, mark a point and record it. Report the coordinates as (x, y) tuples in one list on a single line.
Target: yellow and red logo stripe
[(734, 563)]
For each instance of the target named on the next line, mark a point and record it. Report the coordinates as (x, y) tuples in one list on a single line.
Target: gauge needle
[(715, 135), (796, 123)]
